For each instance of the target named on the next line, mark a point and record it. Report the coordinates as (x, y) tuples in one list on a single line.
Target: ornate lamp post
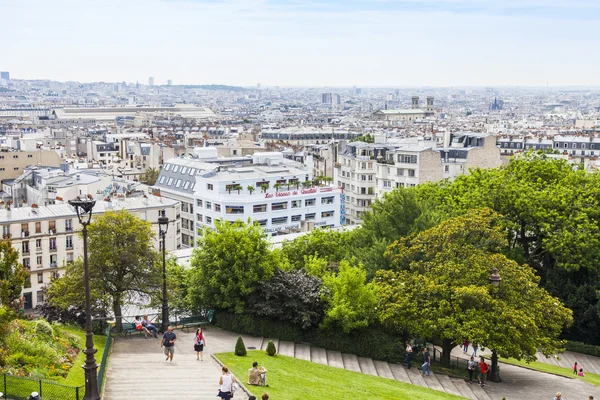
[(494, 375), (163, 225), (84, 208)]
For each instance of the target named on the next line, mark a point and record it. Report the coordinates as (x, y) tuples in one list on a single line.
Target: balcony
[(25, 252), (24, 234), (69, 229), (53, 265), (39, 250), (69, 246), (6, 236), (53, 249)]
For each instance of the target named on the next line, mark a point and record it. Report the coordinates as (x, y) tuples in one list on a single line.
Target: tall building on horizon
[(169, 82), (151, 81), (5, 75)]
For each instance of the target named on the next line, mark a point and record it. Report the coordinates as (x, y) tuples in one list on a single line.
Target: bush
[(374, 342), (578, 347), (43, 328), (271, 350), (240, 347)]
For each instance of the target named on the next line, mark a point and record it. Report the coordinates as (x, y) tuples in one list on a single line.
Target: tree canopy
[(439, 289), (12, 274)]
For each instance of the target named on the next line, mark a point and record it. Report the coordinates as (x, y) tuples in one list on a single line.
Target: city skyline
[(434, 43)]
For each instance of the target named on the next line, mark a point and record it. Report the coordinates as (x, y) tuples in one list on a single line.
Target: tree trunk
[(446, 350), (118, 314)]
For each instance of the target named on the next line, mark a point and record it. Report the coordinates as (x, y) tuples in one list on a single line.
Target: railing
[(103, 363), (19, 388)]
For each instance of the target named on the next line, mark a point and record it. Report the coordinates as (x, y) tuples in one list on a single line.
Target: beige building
[(47, 238), (411, 114), (13, 163)]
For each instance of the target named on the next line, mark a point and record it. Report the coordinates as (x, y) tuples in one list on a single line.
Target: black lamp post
[(163, 225), (84, 208), (494, 375)]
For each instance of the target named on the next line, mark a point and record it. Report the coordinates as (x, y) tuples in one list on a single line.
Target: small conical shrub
[(271, 350), (240, 347)]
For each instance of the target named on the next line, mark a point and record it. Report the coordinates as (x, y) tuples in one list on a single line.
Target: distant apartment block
[(412, 114)]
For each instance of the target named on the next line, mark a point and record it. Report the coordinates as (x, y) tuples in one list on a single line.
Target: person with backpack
[(199, 343), (471, 369)]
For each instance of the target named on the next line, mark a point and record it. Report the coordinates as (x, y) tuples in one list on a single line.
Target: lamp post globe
[(163, 226), (83, 208)]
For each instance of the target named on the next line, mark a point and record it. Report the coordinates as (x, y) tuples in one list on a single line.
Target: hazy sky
[(304, 43)]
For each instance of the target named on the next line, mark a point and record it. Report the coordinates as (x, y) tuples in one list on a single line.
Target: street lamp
[(494, 376), (84, 208), (163, 225)]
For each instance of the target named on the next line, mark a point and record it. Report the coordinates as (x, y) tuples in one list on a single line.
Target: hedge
[(578, 347), (373, 342)]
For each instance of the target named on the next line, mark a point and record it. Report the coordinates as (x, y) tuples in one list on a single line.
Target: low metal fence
[(103, 363), (20, 388)]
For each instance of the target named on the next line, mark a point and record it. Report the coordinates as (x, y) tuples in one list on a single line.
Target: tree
[(240, 347), (12, 274), (228, 264), (440, 290), (277, 186), (350, 300), (271, 350), (251, 188), (291, 296), (321, 242), (122, 263), (150, 176)]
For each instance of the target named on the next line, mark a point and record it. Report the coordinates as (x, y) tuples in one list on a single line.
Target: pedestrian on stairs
[(426, 367), (483, 371), (471, 369), (408, 354)]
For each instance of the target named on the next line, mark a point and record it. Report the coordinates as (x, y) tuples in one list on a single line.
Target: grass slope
[(293, 379), (594, 379)]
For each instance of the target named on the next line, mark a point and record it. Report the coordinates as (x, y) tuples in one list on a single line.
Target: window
[(39, 260), (208, 205), (40, 296), (192, 171), (400, 171), (176, 168), (309, 202), (296, 218), (296, 203), (25, 247), (52, 243), (411, 172), (309, 217), (208, 220), (170, 181), (15, 168), (15, 156), (186, 185), (68, 225), (199, 217), (327, 200), (259, 208), (209, 186), (327, 214), (27, 263), (279, 206), (262, 222), (217, 207), (387, 184), (199, 202), (184, 207), (234, 209), (178, 183), (279, 220), (162, 179), (184, 170), (29, 155), (259, 184), (446, 168), (167, 167), (53, 259), (40, 277), (407, 158), (69, 242)]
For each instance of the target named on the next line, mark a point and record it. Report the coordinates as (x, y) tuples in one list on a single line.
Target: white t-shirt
[(226, 386), (408, 349), (471, 365)]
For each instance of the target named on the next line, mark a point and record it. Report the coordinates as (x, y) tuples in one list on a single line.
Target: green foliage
[(12, 274), (579, 347), (271, 350), (368, 138), (122, 262), (240, 347), (43, 328), (228, 264), (321, 242), (439, 289), (350, 300), (150, 176)]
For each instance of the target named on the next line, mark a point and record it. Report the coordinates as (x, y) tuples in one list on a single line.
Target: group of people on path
[(576, 372), (426, 367)]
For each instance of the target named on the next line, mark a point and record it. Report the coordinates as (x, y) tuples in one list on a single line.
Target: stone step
[(588, 363), (433, 382), (367, 366), (414, 374), (351, 362), (318, 355), (286, 348), (335, 359), (542, 358), (464, 388), (399, 373), (383, 369), (251, 341), (448, 385), (479, 392), (302, 351)]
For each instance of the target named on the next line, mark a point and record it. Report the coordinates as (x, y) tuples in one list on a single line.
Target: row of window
[(178, 183), (278, 220), (260, 208), (17, 156), (40, 261), (51, 242), (38, 228)]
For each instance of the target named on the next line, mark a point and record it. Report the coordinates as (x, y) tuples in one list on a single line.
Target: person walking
[(199, 343), (483, 371), (471, 369), (168, 340), (575, 368), (466, 346), (408, 354), (226, 381), (475, 347), (426, 367)]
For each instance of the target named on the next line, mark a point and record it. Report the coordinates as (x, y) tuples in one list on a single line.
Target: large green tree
[(122, 263), (439, 289), (12, 274), (228, 264)]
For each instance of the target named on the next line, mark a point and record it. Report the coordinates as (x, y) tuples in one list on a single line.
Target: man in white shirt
[(408, 354)]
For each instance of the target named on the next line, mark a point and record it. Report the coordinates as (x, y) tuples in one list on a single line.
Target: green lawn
[(293, 379), (75, 377), (594, 379)]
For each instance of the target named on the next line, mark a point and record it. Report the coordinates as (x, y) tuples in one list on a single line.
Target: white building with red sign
[(270, 190)]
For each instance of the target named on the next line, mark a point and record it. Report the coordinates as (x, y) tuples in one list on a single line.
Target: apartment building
[(368, 171), (13, 163), (47, 238), (575, 146)]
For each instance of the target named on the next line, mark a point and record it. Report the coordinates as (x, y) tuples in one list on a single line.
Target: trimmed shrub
[(578, 347), (271, 350), (240, 347), (43, 328)]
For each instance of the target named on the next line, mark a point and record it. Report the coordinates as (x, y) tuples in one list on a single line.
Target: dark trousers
[(470, 375), (407, 360)]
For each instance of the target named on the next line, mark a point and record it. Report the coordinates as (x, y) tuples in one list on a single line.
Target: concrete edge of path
[(533, 369), (241, 385)]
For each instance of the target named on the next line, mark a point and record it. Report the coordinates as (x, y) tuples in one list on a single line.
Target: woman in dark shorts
[(199, 343)]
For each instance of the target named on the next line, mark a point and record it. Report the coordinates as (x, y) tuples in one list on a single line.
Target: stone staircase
[(383, 369)]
